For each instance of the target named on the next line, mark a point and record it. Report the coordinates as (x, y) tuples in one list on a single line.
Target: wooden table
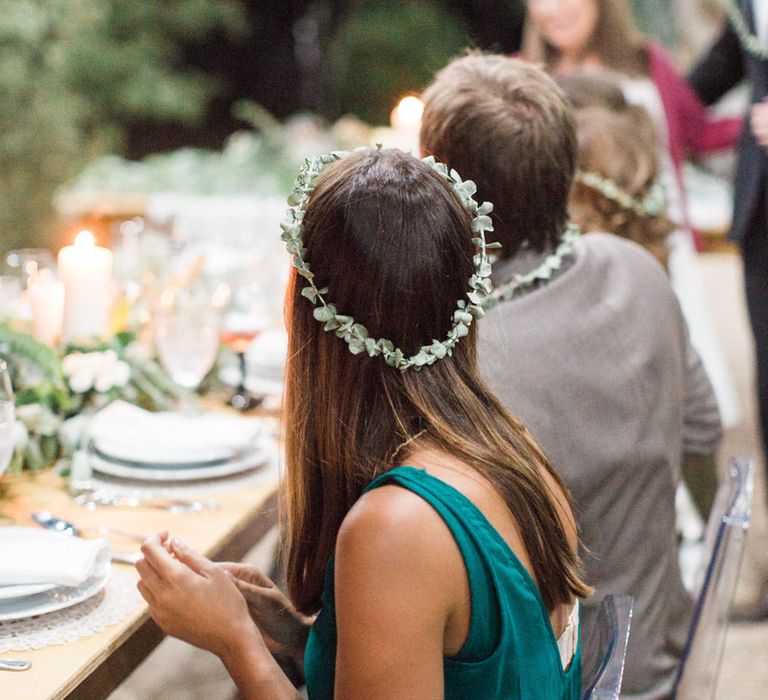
[(92, 667)]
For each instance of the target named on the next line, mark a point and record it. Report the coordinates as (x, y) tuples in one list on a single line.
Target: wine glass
[(7, 418), (187, 335), (25, 263), (245, 317)]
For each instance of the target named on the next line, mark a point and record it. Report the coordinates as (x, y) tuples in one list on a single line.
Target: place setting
[(131, 444), (56, 587)]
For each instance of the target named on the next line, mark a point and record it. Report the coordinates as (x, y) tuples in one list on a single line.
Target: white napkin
[(127, 432), (31, 555)]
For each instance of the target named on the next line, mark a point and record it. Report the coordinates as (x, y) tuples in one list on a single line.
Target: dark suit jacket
[(726, 65)]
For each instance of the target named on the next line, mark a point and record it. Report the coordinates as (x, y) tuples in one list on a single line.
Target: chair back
[(604, 648), (725, 535)]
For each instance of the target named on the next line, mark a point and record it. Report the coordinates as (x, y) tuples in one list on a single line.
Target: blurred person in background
[(567, 35), (741, 52), (592, 354), (618, 190), (617, 187)]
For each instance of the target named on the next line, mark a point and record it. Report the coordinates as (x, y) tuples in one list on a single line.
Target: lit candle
[(406, 122), (46, 297), (86, 271)]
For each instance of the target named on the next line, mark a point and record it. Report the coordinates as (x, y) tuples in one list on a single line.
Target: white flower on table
[(20, 435), (101, 371)]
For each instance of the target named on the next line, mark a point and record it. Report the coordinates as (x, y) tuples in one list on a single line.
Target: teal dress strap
[(510, 652), (484, 617)]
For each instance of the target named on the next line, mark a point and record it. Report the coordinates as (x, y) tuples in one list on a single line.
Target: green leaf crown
[(652, 204), (355, 334)]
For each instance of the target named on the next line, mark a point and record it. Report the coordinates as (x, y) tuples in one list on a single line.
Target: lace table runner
[(114, 603)]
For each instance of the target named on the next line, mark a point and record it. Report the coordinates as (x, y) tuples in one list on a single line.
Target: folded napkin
[(130, 433), (31, 555)]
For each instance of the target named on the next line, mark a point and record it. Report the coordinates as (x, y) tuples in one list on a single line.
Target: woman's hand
[(283, 628), (759, 119), (193, 599)]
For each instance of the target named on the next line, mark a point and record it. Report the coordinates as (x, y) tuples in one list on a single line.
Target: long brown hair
[(392, 242), (616, 41)]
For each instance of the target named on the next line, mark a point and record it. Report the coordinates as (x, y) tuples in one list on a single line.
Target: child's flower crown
[(652, 204)]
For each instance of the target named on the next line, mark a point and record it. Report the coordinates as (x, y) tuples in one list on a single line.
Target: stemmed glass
[(245, 317), (187, 335), (27, 262), (7, 418)]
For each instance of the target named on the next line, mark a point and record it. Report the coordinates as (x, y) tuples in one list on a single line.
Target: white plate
[(125, 432), (256, 458), (56, 598), (22, 590)]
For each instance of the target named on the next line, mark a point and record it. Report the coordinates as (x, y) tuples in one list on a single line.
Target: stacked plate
[(45, 571), (131, 443)]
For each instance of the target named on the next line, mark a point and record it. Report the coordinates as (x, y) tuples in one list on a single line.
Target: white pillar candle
[(86, 271), (46, 297)]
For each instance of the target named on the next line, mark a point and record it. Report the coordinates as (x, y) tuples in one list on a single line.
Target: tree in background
[(82, 78), (383, 50), (75, 72)]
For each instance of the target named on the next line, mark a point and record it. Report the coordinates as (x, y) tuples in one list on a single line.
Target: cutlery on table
[(91, 498), (47, 521), (12, 665)]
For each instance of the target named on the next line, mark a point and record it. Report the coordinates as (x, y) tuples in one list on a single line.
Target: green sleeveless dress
[(511, 652)]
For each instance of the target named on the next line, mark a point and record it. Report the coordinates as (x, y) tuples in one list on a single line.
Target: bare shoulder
[(392, 521), (395, 575)]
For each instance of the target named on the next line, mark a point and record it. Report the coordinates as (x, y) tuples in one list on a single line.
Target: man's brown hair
[(506, 125)]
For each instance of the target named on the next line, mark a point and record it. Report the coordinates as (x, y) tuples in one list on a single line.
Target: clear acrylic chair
[(604, 648), (726, 531)]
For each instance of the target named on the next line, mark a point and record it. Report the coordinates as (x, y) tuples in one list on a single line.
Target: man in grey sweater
[(590, 351)]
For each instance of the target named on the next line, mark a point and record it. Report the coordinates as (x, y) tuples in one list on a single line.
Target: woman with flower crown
[(424, 524), (584, 341)]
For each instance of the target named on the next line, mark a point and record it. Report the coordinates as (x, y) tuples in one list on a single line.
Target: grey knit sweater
[(598, 365)]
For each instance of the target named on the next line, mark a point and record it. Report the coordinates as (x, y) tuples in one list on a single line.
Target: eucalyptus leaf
[(484, 209), (356, 346), (323, 314), (310, 293), (438, 350)]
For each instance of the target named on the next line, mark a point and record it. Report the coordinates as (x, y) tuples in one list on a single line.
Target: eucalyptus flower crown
[(749, 41), (354, 334), (652, 204)]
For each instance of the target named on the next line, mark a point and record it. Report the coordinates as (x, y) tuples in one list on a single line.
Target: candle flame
[(408, 112), (85, 238)]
